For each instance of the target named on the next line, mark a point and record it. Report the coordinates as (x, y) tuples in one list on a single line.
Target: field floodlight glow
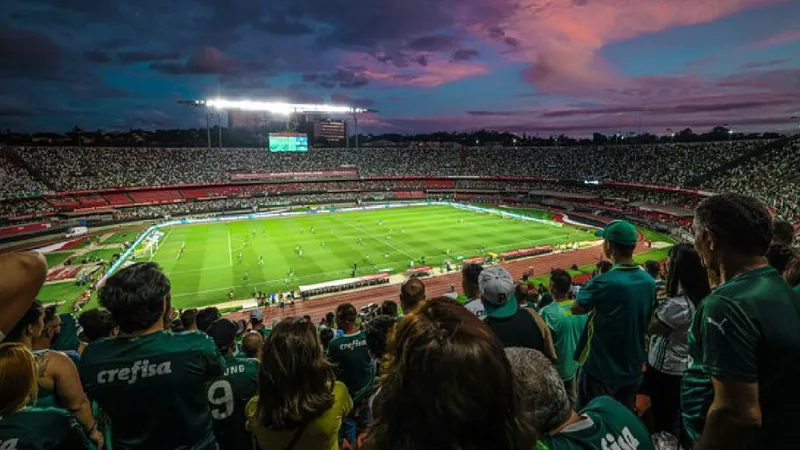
[(280, 107)]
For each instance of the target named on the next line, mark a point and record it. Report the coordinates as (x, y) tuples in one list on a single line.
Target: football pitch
[(374, 240)]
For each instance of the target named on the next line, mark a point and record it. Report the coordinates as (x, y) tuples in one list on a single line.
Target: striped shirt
[(669, 353)]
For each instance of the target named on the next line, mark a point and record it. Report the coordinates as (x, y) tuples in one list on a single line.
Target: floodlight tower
[(291, 110)]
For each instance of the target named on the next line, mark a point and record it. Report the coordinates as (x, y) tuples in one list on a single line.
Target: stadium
[(356, 217)]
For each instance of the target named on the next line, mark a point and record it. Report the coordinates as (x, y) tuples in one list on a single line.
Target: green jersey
[(354, 365), (264, 331), (228, 397), (747, 330), (606, 425), (154, 388), (621, 303), (41, 429), (567, 329), (68, 336), (797, 288)]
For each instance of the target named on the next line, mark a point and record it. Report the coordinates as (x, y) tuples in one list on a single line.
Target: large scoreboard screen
[(288, 142)]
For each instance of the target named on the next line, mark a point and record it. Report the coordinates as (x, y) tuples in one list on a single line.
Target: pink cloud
[(779, 39), (436, 71), (561, 39), (651, 103)]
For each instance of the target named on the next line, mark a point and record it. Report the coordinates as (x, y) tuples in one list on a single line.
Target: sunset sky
[(536, 66)]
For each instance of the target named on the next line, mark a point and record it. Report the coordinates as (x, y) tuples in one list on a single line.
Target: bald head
[(412, 293), (252, 343), (543, 391)]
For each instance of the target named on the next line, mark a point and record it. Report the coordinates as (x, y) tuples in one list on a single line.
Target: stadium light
[(278, 107)]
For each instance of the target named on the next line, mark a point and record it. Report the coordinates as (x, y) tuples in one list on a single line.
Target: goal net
[(150, 246)]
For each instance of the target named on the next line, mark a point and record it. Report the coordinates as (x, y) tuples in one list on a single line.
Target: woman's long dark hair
[(685, 271), (295, 380), (448, 385)]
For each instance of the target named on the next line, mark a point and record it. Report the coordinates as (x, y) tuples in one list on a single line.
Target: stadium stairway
[(758, 151), (19, 161)]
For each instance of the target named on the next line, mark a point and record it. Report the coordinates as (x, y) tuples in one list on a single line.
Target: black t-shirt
[(519, 330)]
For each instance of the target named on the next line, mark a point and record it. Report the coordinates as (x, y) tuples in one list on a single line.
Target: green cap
[(497, 293), (619, 232)]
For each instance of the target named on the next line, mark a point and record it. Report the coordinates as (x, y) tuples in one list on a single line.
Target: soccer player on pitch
[(152, 383), (229, 395)]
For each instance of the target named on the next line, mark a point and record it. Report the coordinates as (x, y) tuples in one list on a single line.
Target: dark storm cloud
[(434, 43), (145, 56), (342, 78), (495, 113), (285, 26), (465, 54), (97, 56), (28, 53), (209, 61), (360, 102), (496, 32)]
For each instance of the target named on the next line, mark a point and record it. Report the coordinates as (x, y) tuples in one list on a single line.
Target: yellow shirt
[(321, 434)]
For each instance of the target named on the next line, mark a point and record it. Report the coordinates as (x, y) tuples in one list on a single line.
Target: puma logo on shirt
[(717, 324)]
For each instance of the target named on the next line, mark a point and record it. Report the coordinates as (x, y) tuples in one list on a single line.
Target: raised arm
[(21, 276)]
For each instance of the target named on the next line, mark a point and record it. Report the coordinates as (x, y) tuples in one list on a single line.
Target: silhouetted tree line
[(239, 138)]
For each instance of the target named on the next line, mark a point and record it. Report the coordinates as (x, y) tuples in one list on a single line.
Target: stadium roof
[(276, 107)]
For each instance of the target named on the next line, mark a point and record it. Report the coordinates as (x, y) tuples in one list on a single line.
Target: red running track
[(434, 286)]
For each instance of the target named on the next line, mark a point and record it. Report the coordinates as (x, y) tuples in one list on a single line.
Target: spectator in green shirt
[(740, 390), (566, 329), (620, 302), (354, 367), (602, 425)]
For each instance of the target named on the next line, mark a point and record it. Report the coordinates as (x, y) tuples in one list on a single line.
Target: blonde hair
[(18, 377)]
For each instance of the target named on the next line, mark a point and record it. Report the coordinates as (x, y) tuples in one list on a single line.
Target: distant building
[(330, 130)]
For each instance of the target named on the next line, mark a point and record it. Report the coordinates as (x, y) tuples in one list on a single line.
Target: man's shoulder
[(249, 363), (188, 341), (555, 309), (605, 405), (628, 274), (754, 289)]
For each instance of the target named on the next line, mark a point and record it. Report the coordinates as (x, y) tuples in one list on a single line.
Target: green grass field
[(375, 240), (56, 258), (65, 291), (122, 237)]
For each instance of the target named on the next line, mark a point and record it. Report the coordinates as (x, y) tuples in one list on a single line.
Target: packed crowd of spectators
[(697, 353), (17, 181), (773, 177), (24, 207), (662, 164), (81, 168)]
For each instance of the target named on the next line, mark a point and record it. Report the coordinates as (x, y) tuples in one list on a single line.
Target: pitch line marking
[(160, 245), (230, 250), (374, 237)]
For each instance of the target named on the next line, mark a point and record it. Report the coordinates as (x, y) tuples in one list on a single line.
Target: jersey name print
[(139, 369)]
